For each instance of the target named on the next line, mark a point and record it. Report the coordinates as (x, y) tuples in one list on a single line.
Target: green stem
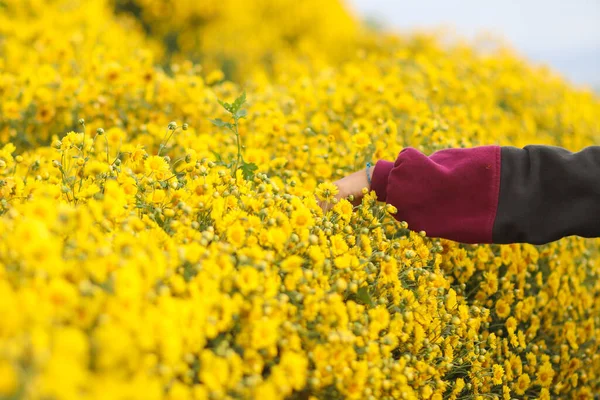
[(239, 147), (162, 146)]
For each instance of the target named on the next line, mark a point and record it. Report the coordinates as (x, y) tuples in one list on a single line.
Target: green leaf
[(219, 160), (189, 271), (238, 103), (108, 285), (364, 297), (248, 169), (218, 157), (240, 114), (226, 106), (220, 123)]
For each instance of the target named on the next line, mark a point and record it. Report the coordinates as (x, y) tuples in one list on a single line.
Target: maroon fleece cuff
[(379, 179), (452, 193)]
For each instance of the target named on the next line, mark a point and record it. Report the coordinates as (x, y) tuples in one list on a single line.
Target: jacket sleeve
[(493, 194)]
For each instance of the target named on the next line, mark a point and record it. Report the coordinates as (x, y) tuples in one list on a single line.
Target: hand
[(353, 184)]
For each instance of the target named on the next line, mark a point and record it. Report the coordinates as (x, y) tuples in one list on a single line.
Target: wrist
[(369, 173)]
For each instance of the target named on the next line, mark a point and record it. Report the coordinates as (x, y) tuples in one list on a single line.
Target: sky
[(562, 34)]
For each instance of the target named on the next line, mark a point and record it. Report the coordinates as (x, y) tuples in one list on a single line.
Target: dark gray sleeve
[(546, 193)]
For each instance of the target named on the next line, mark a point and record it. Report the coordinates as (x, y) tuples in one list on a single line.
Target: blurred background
[(562, 34)]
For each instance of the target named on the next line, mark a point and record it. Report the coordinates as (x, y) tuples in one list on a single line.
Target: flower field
[(160, 235)]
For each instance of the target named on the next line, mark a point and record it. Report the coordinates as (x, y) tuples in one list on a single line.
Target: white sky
[(564, 34)]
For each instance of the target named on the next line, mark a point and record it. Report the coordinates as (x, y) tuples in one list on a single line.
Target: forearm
[(493, 194)]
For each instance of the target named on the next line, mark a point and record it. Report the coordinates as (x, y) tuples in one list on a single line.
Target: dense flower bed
[(155, 244)]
